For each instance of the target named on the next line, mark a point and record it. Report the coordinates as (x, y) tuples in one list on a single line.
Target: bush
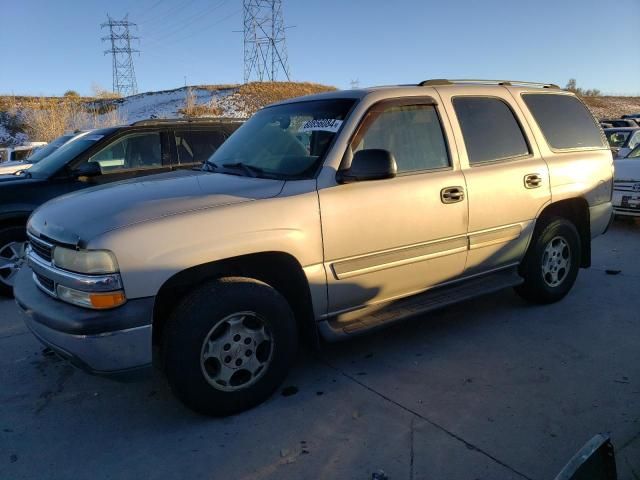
[(44, 121), (71, 93), (573, 87), (193, 109)]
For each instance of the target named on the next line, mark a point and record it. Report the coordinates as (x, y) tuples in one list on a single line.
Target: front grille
[(626, 186), (43, 249), (45, 283)]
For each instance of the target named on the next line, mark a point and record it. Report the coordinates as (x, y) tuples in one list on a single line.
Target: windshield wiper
[(251, 170)]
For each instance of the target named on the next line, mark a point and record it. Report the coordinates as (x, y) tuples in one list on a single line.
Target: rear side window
[(490, 129), (565, 122)]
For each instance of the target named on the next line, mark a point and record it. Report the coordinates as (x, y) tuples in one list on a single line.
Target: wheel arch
[(576, 210), (280, 270), (14, 219)]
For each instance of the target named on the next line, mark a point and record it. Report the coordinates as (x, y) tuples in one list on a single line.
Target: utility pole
[(265, 49), (124, 75)]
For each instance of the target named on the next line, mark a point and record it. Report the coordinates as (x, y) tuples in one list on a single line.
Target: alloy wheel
[(12, 256), (236, 352), (556, 261)]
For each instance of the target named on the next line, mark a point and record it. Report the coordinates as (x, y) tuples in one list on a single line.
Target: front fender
[(150, 253)]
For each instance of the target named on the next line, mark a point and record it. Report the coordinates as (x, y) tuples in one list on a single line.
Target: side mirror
[(372, 164), (89, 169)]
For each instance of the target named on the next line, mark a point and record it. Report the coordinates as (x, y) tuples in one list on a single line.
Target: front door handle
[(533, 180), (452, 194)]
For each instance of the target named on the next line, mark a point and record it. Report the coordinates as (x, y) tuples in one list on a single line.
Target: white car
[(36, 154), (626, 187)]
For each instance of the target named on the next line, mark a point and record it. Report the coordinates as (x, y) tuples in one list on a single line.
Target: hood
[(627, 169), (13, 166), (80, 216)]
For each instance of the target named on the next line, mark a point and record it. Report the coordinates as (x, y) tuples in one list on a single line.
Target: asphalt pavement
[(493, 388)]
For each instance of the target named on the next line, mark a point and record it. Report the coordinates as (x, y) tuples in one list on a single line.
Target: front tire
[(228, 345), (12, 244), (551, 265)]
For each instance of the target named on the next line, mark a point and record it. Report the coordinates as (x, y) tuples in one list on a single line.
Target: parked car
[(626, 186), (36, 155), (17, 154), (95, 158), (618, 122), (622, 140), (395, 202)]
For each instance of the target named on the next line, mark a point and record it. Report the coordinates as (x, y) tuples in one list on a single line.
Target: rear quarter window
[(564, 120)]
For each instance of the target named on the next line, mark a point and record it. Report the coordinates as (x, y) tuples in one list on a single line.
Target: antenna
[(265, 50), (124, 75)]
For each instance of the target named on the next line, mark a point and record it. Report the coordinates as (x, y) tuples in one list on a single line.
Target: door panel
[(390, 238), (505, 194)]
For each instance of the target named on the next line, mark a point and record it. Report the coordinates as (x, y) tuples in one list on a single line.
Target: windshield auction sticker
[(321, 125)]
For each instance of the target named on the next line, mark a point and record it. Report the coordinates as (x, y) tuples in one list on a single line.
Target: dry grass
[(193, 109), (612, 107), (253, 96), (44, 121)]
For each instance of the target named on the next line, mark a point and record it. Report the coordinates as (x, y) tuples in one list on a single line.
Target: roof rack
[(161, 121), (443, 81)]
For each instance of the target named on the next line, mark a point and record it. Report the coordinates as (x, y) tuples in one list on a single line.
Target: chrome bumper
[(106, 353), (105, 341)]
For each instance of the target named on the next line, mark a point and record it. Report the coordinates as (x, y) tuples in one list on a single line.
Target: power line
[(189, 22), (265, 49), (124, 75)]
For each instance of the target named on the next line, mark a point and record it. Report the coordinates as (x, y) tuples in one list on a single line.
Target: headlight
[(85, 261)]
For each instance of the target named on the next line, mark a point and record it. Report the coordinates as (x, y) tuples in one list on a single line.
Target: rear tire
[(228, 345), (12, 243), (551, 265)]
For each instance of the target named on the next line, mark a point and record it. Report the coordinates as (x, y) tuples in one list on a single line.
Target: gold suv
[(322, 217)]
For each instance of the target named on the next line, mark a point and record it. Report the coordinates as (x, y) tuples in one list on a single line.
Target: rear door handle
[(533, 180), (452, 194)]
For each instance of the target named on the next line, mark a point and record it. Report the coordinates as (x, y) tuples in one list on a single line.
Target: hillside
[(43, 118)]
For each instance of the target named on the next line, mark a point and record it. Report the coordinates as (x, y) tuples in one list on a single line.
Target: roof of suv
[(362, 92)]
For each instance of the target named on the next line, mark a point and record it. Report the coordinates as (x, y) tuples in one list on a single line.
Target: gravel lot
[(492, 389)]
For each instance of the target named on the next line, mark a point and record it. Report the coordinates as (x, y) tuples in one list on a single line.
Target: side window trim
[(387, 103), (518, 120)]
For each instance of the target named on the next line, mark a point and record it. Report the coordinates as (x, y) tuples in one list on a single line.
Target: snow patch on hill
[(167, 104)]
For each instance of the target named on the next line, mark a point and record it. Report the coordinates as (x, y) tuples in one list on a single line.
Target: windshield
[(285, 141), (617, 138), (45, 151), (63, 155), (635, 153)]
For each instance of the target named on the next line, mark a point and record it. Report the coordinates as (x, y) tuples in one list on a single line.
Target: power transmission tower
[(124, 75), (265, 49)]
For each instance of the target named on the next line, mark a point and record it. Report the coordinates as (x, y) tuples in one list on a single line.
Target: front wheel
[(551, 265), (229, 345), (13, 241)]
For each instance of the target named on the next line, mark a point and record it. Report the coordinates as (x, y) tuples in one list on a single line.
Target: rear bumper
[(75, 333), (600, 217)]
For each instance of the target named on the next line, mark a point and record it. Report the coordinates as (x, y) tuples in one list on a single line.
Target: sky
[(48, 47)]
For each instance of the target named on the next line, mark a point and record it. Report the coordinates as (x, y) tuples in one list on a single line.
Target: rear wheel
[(12, 247), (229, 345), (551, 265)]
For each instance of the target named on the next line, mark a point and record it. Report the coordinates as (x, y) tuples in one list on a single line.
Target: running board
[(377, 316)]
